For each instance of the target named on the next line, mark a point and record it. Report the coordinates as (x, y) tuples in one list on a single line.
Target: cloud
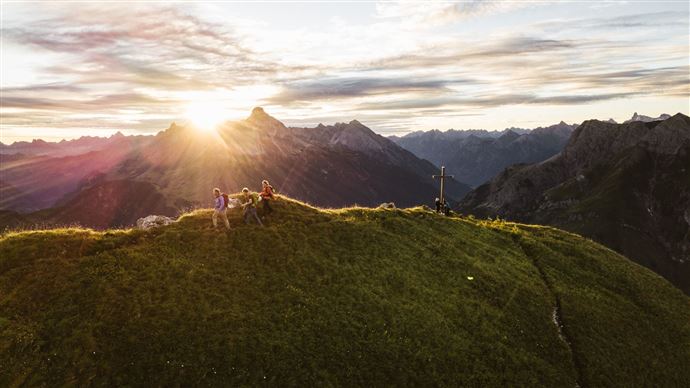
[(411, 63), (482, 102), (103, 103), (349, 87), (141, 46), (42, 88), (435, 13)]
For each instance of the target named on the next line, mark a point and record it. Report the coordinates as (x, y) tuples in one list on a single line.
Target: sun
[(206, 115)]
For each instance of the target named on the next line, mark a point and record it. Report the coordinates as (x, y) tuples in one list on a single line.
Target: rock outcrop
[(153, 221), (624, 185)]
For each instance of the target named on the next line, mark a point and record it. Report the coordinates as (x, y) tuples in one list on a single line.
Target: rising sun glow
[(206, 110), (206, 115)]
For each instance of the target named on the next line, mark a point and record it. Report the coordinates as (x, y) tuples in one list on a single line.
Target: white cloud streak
[(394, 72)]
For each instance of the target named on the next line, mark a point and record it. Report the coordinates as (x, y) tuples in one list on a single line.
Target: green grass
[(333, 297)]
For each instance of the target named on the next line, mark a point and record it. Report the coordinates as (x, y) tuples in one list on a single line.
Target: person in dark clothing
[(438, 205), (446, 209), (266, 197)]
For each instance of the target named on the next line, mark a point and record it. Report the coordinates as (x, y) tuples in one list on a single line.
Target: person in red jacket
[(266, 197)]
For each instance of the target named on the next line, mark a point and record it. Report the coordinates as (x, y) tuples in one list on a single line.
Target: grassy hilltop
[(334, 297)]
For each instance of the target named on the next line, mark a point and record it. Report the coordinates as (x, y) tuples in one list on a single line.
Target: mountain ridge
[(624, 185), (477, 156), (342, 296), (335, 165)]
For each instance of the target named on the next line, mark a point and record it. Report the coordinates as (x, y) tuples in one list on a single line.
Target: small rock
[(149, 222), (387, 205)]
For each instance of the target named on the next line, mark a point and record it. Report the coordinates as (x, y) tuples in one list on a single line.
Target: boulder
[(149, 222), (387, 205)]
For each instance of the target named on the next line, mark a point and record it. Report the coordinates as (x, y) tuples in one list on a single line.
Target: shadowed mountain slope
[(624, 185)]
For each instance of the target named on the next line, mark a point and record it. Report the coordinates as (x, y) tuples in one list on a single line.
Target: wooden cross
[(443, 177)]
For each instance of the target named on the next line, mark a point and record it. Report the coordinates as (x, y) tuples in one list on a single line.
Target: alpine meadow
[(463, 193)]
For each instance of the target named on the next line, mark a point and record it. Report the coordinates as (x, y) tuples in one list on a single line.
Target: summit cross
[(442, 177)]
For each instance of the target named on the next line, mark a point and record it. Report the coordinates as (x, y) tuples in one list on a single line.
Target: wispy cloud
[(433, 13), (412, 64), (348, 87)]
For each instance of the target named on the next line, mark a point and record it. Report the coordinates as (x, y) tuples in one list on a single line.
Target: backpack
[(267, 192), (226, 200)]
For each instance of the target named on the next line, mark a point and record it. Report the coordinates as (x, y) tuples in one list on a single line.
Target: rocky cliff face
[(627, 186)]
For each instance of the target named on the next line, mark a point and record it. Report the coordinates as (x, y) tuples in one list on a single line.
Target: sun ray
[(206, 115)]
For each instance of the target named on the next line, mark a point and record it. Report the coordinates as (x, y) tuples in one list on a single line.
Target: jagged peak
[(509, 135), (260, 117), (258, 112), (643, 118)]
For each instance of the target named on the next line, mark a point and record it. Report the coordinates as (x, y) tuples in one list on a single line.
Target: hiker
[(249, 202), (266, 197), (438, 205), (446, 209), (220, 209)]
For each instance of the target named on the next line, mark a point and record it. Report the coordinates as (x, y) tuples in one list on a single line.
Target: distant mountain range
[(78, 146), (624, 185), (107, 182), (646, 119), (475, 156)]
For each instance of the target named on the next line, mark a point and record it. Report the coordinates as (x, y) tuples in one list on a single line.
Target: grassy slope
[(344, 297)]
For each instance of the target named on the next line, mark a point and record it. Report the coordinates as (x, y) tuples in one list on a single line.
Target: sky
[(77, 68)]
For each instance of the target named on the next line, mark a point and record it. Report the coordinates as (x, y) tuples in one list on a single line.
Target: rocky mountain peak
[(646, 119), (260, 118), (258, 112), (595, 141), (507, 137), (356, 135)]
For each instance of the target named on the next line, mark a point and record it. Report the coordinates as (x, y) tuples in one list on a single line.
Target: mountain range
[(107, 182), (624, 185), (646, 119), (475, 156), (84, 144)]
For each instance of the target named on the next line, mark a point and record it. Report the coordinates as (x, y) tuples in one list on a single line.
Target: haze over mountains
[(78, 146), (338, 165), (475, 156), (624, 185)]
